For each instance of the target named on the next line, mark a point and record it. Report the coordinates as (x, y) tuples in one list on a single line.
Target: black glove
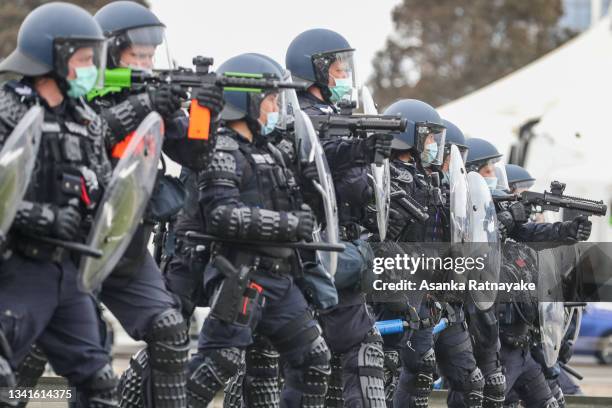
[(211, 97), (66, 224), (520, 213), (306, 223), (579, 229), (310, 172), (398, 220), (505, 222), (166, 99), (378, 143)]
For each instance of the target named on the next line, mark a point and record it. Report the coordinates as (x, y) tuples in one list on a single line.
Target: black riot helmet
[(50, 35), (324, 58), (483, 157), (244, 104), (133, 27), (518, 177), (481, 153), (424, 131), (454, 136)]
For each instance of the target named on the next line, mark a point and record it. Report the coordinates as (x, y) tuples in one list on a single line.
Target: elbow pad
[(125, 117), (251, 223)]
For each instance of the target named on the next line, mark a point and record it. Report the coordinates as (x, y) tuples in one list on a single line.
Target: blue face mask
[(85, 81), (271, 121), (491, 182), (343, 86), (430, 154)]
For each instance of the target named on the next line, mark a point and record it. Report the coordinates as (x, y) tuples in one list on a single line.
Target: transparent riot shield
[(552, 324), (460, 201), (311, 151), (381, 174), (485, 244), (17, 159), (124, 202), (551, 313)]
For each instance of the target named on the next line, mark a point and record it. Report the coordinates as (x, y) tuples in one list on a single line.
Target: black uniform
[(135, 291), (358, 352), (40, 301), (247, 193)]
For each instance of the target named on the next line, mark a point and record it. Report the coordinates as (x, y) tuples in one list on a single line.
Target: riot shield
[(551, 313), (17, 159), (124, 201), (552, 324), (310, 151), (485, 245), (381, 174), (460, 202)]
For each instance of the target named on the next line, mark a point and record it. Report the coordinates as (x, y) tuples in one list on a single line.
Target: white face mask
[(491, 182)]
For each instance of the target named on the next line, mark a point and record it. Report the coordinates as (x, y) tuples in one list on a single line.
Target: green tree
[(441, 50), (12, 13)]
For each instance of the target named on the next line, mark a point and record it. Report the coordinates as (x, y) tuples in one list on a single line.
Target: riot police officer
[(324, 59), (520, 180), (518, 260), (247, 193), (59, 53), (135, 291), (453, 349)]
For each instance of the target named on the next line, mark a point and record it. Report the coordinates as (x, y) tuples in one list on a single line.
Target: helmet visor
[(336, 70), (142, 48), (430, 142), (523, 185), (502, 177), (264, 105), (71, 55)]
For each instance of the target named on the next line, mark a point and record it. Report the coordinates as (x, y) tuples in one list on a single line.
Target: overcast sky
[(224, 28)]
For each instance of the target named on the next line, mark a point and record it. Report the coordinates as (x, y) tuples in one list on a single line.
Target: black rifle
[(357, 126), (554, 199)]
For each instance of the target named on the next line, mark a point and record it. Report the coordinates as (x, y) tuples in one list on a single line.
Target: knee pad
[(557, 393), (472, 389), (100, 390), (334, 398), (130, 388), (494, 392), (311, 377), (370, 362), (232, 393), (425, 371), (168, 341), (261, 385), (209, 372), (30, 370), (391, 373), (551, 403), (168, 346)]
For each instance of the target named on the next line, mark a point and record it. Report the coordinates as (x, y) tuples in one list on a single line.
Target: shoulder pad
[(12, 108), (19, 89), (404, 176), (226, 143)]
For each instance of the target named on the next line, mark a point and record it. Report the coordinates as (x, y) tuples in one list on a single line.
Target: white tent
[(569, 91)]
